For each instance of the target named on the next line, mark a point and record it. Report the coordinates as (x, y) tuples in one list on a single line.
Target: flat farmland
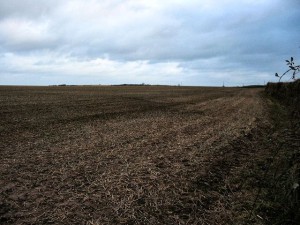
[(128, 154)]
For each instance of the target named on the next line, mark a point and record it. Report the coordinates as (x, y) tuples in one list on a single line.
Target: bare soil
[(132, 155)]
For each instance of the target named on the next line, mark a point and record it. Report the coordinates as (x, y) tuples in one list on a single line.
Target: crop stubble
[(124, 155)]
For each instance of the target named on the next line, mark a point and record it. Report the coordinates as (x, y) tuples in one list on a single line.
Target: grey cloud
[(26, 8), (238, 37)]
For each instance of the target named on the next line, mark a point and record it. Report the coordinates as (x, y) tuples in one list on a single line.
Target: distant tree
[(292, 67)]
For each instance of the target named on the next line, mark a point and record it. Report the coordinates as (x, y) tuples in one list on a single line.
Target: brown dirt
[(130, 155)]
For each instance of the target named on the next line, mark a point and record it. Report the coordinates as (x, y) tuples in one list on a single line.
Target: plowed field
[(127, 154)]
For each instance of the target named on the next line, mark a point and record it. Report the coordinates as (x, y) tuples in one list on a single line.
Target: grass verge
[(278, 192)]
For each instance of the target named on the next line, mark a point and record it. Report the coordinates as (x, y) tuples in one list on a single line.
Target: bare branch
[(295, 69)]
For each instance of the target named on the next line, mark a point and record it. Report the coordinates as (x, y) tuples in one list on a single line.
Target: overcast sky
[(188, 42)]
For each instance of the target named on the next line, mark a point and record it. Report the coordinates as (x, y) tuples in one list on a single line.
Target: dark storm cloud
[(113, 41)]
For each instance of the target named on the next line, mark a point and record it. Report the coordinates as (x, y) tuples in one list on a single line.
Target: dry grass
[(129, 155)]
